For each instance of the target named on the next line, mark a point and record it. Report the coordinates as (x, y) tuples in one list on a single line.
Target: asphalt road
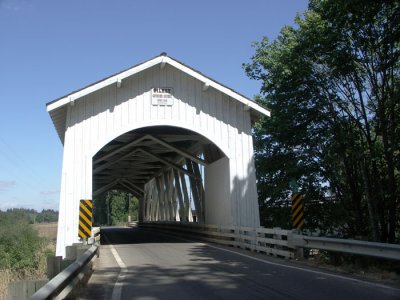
[(140, 264)]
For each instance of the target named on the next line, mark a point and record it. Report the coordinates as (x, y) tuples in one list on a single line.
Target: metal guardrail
[(275, 241), (381, 250), (56, 286)]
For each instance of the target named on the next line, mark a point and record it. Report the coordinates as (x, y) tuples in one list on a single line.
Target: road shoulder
[(104, 277)]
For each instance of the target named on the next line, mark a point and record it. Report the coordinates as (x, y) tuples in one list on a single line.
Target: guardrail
[(274, 241), (95, 237), (381, 250), (66, 278)]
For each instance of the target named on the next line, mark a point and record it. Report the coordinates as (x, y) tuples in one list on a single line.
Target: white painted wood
[(104, 112), (161, 199), (196, 194), (142, 68), (179, 195), (200, 191), (217, 189), (175, 197), (119, 82), (168, 196), (187, 208)]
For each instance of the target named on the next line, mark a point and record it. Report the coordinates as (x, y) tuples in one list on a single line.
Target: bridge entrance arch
[(170, 170), (164, 132)]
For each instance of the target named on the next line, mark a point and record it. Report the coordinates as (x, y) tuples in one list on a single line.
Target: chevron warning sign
[(297, 211), (85, 219)]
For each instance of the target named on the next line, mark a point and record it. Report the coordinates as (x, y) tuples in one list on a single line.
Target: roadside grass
[(368, 268), (47, 230), (48, 233)]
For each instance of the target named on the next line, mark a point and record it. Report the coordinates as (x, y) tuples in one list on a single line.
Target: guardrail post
[(298, 251), (70, 252), (277, 237), (53, 266), (71, 255), (80, 249), (238, 238)]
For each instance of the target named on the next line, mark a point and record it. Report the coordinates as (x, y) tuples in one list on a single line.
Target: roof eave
[(257, 110), (103, 83)]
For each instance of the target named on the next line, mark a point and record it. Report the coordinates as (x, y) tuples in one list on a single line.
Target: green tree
[(134, 208), (119, 207), (332, 83), (46, 216), (111, 208), (25, 214)]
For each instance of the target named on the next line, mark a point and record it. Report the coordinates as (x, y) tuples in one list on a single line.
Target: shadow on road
[(133, 235), (185, 270)]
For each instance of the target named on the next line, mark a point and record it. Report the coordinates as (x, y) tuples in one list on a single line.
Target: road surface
[(141, 264)]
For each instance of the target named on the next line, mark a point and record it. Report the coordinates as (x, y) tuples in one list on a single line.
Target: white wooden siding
[(105, 114)]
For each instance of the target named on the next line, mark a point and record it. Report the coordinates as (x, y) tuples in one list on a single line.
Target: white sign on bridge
[(162, 96)]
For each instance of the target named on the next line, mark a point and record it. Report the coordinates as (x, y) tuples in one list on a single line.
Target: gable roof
[(58, 112)]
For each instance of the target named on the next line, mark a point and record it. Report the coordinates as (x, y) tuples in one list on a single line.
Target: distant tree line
[(332, 82), (31, 216)]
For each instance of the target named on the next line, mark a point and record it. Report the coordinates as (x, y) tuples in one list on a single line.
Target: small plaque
[(162, 96)]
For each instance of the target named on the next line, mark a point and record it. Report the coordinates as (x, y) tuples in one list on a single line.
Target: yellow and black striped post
[(297, 211), (85, 219)]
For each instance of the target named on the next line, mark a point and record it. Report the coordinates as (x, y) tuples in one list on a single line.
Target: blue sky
[(49, 48)]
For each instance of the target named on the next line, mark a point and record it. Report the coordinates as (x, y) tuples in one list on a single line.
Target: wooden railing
[(271, 241), (274, 241)]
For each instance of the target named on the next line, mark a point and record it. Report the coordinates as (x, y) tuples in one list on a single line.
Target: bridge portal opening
[(177, 174)]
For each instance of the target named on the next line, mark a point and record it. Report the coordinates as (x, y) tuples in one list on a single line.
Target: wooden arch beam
[(105, 188)]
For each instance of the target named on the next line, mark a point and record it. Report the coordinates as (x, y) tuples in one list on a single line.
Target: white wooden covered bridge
[(166, 133)]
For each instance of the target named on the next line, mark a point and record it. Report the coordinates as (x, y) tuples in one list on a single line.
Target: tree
[(119, 207), (46, 216), (111, 208), (134, 208), (332, 83)]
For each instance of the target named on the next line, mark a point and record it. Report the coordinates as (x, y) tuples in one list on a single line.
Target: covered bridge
[(171, 136)]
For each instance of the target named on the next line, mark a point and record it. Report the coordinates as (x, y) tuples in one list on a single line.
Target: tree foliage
[(332, 83), (118, 202), (113, 207), (20, 245), (46, 216)]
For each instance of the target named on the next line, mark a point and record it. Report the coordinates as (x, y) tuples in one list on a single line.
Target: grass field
[(46, 230)]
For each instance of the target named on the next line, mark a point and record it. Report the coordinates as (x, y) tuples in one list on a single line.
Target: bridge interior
[(162, 166)]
